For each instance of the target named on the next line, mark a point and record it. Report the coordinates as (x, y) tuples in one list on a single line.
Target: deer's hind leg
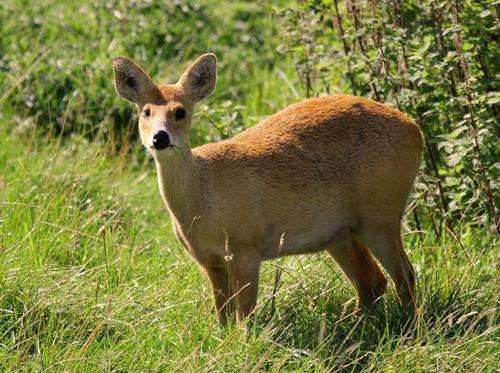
[(386, 245), (359, 266)]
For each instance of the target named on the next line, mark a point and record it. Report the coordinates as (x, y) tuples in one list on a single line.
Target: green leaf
[(485, 13), (454, 159), (493, 98)]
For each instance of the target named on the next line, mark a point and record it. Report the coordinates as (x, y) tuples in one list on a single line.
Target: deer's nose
[(161, 140)]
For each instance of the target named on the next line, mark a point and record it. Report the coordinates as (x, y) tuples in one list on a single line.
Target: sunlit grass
[(92, 278)]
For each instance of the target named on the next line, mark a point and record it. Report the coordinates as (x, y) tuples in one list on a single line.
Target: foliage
[(90, 277), (435, 60), (57, 68)]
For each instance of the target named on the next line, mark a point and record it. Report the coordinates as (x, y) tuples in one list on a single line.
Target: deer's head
[(165, 111)]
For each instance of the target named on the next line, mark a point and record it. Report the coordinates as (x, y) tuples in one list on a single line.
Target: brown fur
[(330, 173)]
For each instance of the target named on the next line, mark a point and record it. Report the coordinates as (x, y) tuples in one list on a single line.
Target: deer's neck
[(180, 188)]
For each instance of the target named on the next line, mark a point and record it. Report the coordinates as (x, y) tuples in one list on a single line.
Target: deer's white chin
[(165, 154)]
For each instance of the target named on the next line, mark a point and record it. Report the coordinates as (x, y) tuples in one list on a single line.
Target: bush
[(434, 60)]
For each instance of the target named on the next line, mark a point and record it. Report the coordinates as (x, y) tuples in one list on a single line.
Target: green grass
[(92, 279), (56, 68)]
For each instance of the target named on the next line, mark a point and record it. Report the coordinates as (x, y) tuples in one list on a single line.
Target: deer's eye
[(147, 112), (180, 114)]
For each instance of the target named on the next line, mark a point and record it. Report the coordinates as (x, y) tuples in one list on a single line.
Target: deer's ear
[(199, 80), (131, 82)]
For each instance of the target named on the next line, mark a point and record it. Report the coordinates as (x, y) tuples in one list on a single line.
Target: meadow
[(91, 276)]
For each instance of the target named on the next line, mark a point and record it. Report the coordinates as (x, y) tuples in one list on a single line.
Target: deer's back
[(337, 137)]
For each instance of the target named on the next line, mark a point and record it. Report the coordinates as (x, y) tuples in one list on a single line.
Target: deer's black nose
[(161, 140)]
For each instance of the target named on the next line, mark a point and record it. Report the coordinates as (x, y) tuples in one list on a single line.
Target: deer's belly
[(310, 239)]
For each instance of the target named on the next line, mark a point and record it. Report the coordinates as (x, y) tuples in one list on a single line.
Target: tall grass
[(91, 277)]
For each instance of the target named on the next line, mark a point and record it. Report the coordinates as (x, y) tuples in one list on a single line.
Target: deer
[(331, 173)]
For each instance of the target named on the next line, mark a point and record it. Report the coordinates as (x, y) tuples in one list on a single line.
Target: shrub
[(435, 60)]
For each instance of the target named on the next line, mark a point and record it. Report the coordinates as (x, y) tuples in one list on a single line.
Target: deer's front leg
[(224, 300), (244, 276)]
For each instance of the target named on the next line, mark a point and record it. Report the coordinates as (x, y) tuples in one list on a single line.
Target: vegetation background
[(91, 277)]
